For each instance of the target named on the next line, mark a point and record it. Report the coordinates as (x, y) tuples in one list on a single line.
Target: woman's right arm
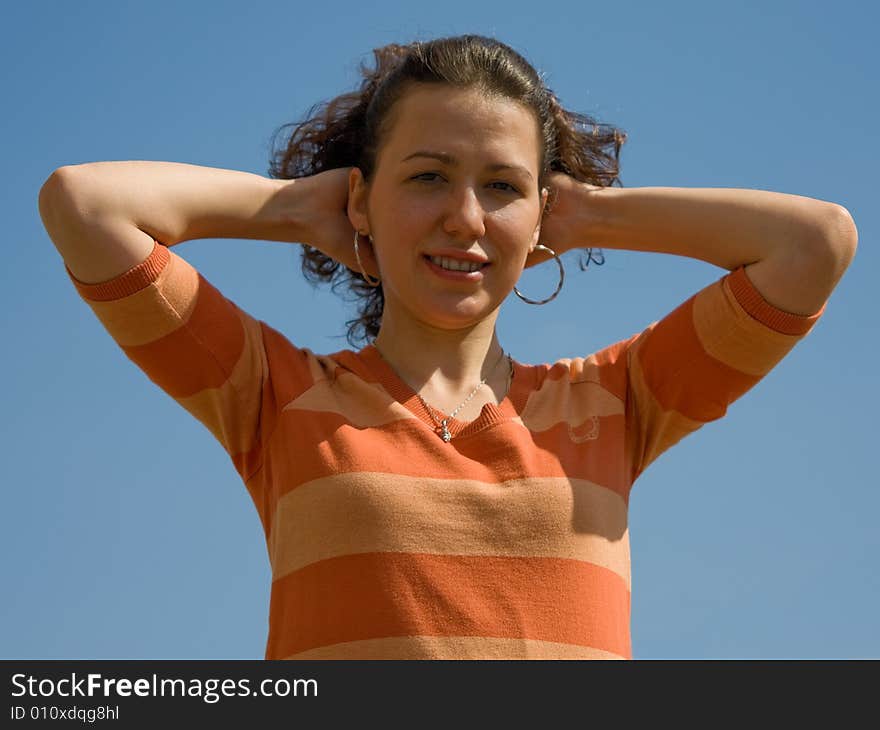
[(103, 216), (212, 357)]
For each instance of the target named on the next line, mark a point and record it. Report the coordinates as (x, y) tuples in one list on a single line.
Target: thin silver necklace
[(444, 424)]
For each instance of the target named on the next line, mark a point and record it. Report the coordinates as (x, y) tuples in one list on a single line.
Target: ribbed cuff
[(759, 308), (133, 280)]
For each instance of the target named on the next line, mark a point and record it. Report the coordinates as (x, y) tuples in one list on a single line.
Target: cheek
[(515, 235), (402, 237), (417, 212)]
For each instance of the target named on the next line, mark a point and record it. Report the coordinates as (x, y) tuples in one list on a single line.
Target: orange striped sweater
[(508, 542)]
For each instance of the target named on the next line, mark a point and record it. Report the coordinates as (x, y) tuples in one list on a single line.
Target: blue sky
[(126, 533)]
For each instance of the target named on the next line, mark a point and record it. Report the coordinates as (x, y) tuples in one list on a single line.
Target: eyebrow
[(450, 160)]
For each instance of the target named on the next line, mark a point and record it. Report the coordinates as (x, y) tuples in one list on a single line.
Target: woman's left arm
[(795, 248)]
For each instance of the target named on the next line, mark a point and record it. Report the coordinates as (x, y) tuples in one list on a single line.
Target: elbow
[(53, 186), (48, 194), (61, 191), (55, 204), (837, 245), (841, 237), (55, 179)]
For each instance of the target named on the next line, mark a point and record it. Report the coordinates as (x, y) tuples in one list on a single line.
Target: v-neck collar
[(490, 414)]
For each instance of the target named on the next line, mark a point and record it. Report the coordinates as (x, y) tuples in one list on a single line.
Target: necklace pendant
[(445, 435)]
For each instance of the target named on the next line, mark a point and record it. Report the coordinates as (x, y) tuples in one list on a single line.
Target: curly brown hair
[(348, 131)]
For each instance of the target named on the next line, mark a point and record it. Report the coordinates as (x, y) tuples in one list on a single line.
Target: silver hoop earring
[(358, 256), (561, 279)]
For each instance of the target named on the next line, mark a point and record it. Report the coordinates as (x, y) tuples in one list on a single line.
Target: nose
[(465, 215)]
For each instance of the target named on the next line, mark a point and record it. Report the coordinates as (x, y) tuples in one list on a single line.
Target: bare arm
[(794, 249), (103, 216)]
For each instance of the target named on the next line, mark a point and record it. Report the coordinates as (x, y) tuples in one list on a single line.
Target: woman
[(429, 496)]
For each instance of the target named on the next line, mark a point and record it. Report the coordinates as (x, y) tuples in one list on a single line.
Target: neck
[(440, 360)]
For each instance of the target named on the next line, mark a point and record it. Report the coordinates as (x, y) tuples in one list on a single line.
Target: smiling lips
[(452, 264), (455, 269), (454, 259)]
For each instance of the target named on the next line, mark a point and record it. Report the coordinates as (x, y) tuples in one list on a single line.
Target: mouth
[(455, 269)]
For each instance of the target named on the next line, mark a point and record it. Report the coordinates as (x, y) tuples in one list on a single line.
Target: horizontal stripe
[(351, 400), (200, 353), (531, 517), (454, 648), (377, 595), (155, 309), (316, 444), (732, 336), (573, 404), (606, 368), (562, 452)]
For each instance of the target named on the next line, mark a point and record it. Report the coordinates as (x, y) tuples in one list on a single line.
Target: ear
[(358, 190), (545, 194)]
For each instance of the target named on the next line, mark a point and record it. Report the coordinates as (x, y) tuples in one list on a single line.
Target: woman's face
[(482, 200)]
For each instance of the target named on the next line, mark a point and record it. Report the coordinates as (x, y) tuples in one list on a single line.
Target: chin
[(463, 318)]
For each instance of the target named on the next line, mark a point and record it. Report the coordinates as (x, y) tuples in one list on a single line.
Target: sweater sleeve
[(199, 347), (687, 368)]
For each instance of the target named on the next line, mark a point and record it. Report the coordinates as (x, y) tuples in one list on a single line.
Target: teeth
[(454, 265)]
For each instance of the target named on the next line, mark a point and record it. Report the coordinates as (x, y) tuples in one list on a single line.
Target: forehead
[(462, 122)]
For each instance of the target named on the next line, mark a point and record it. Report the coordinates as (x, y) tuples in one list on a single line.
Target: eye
[(510, 188), (423, 175)]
